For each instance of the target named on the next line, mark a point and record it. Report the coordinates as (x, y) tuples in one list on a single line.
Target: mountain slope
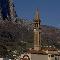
[(12, 33)]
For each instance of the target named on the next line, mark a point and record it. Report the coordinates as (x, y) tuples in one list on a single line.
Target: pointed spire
[(37, 16)]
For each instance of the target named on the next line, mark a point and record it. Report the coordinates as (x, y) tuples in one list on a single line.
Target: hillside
[(13, 35)]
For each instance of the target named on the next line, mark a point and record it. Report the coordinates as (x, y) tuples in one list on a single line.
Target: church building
[(38, 52)]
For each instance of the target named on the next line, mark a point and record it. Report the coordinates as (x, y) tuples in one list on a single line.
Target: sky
[(49, 10)]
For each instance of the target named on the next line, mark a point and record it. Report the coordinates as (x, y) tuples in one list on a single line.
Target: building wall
[(51, 52), (35, 56), (53, 57), (1, 58), (57, 57), (4, 59), (39, 57), (26, 56)]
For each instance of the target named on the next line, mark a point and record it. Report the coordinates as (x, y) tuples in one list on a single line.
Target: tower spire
[(37, 17), (37, 33)]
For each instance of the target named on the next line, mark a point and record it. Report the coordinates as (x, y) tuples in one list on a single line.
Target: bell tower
[(37, 32)]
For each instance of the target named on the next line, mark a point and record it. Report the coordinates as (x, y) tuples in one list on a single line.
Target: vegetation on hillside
[(17, 36)]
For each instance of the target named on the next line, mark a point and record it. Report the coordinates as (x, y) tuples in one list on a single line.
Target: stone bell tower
[(37, 32)]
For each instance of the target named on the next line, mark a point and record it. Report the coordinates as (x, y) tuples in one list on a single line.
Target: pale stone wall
[(4, 59), (57, 57), (1, 58), (39, 57), (51, 52), (35, 56)]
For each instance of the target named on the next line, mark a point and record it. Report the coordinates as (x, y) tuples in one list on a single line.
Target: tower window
[(36, 25), (52, 55)]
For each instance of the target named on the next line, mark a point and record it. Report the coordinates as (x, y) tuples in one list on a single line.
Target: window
[(52, 55)]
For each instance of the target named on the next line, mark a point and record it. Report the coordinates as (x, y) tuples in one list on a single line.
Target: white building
[(5, 59), (39, 57)]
